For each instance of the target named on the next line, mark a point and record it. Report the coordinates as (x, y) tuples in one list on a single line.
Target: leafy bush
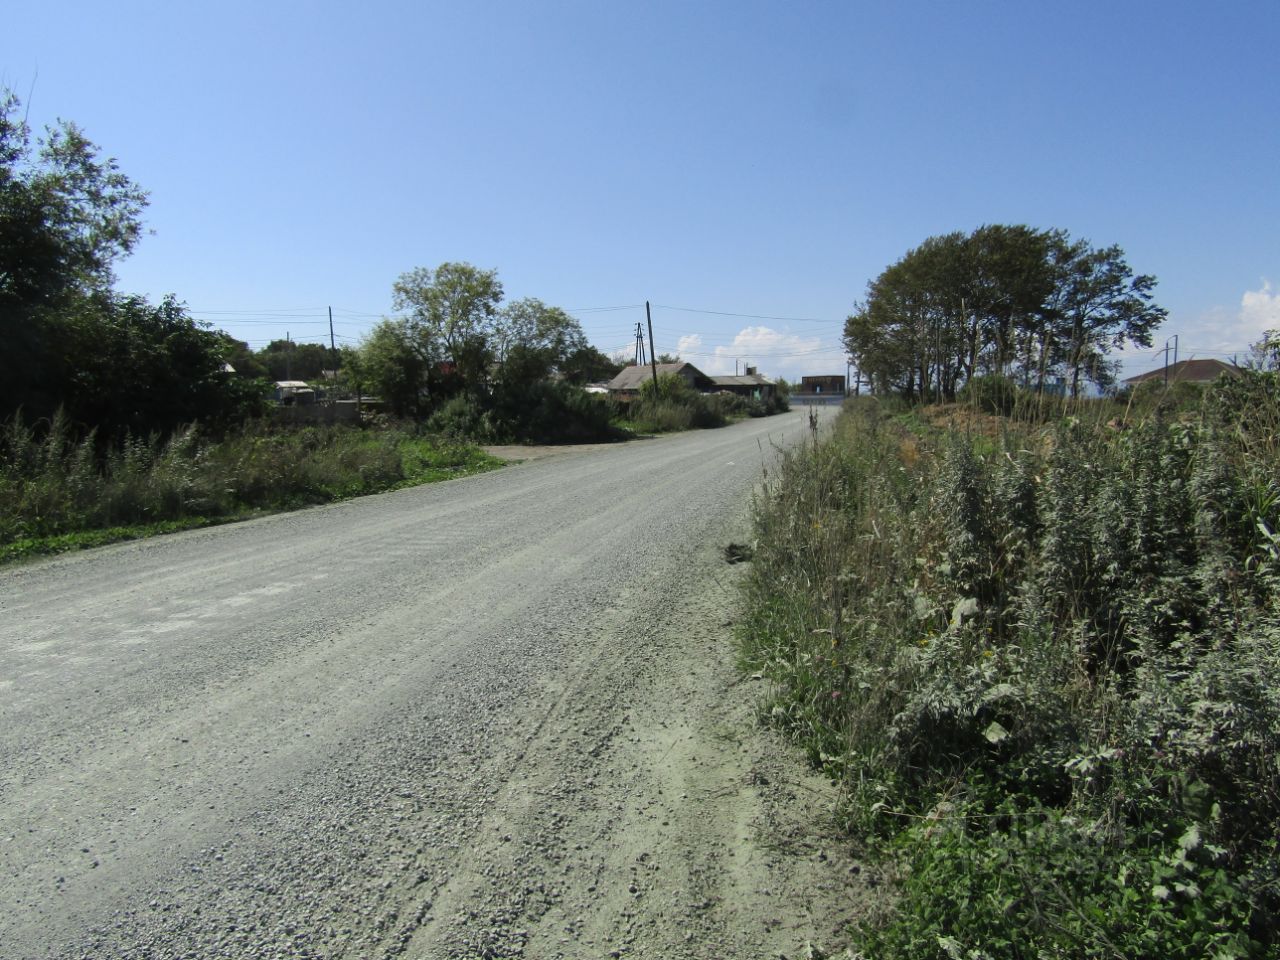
[(463, 416), (1045, 663), (673, 405), (546, 411), (530, 412), (990, 394)]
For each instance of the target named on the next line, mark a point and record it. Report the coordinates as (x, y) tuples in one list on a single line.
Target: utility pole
[(653, 357), (288, 356), (333, 349), (1174, 338)]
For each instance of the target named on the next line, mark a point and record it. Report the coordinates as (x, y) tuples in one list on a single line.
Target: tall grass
[(54, 483), (1040, 656)]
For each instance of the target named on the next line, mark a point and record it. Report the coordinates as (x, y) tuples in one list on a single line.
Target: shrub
[(52, 484), (990, 394), (673, 405), (1045, 663)]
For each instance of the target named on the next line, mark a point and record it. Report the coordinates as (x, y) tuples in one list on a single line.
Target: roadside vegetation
[(1035, 637), (121, 417), (671, 405), (1036, 642), (58, 492)]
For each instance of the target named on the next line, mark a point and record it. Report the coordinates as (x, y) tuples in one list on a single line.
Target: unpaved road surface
[(486, 718)]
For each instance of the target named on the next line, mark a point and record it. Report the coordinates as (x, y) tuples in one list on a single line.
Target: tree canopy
[(112, 362), (1003, 300), (457, 335)]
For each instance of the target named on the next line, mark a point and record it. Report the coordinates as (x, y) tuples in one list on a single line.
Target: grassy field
[(60, 493), (1039, 651)]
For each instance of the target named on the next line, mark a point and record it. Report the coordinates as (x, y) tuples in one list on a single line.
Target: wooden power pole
[(653, 357)]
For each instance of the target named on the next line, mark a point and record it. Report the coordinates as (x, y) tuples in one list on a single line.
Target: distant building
[(295, 393), (1186, 371), (828, 385), (629, 381), (749, 384)]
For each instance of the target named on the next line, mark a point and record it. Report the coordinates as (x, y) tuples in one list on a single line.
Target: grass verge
[(59, 492)]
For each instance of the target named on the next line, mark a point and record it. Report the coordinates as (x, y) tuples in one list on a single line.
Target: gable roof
[(1189, 371), (744, 380), (632, 377)]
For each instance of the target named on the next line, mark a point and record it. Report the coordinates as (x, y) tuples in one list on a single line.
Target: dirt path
[(650, 815)]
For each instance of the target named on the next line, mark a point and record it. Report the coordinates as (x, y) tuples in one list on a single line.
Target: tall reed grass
[(1040, 655), (54, 483)]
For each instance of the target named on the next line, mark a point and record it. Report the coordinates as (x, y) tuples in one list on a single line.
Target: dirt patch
[(679, 828), (963, 418)]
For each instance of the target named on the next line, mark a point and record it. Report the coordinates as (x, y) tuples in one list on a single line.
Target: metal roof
[(1193, 371), (632, 377)]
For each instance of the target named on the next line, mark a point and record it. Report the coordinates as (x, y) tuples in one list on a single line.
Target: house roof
[(632, 377), (746, 380), (1189, 371)]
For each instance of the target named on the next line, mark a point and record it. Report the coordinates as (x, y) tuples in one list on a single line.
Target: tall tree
[(287, 360), (998, 300), (66, 216), (533, 340), (1098, 304), (456, 306), (393, 363)]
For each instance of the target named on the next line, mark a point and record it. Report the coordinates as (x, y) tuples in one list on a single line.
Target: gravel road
[(485, 718)]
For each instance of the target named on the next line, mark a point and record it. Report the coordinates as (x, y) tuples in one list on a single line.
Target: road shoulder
[(651, 815)]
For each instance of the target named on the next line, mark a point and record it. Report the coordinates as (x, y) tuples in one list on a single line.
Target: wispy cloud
[(1225, 331), (1220, 333), (774, 353)]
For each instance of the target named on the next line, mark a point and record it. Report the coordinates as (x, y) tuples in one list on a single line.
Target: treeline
[(113, 363), (467, 363), (119, 367), (1007, 301)]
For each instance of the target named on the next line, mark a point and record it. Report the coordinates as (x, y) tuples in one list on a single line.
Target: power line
[(747, 316), (626, 306), (265, 312)]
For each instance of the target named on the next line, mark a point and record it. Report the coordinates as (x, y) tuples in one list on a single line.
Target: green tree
[(589, 365), (287, 360), (1098, 304), (533, 340), (453, 310), (129, 367), (66, 216), (1001, 300), (534, 325), (393, 364), (246, 363)]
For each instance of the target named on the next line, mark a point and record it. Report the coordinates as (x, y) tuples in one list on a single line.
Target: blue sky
[(757, 159)]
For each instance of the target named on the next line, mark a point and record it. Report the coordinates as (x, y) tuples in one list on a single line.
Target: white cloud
[(773, 352), (1219, 333), (1260, 310), (689, 344)]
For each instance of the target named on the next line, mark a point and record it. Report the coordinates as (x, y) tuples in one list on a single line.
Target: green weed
[(1039, 656)]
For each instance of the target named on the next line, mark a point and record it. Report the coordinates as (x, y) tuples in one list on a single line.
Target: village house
[(627, 383), (1185, 371)]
